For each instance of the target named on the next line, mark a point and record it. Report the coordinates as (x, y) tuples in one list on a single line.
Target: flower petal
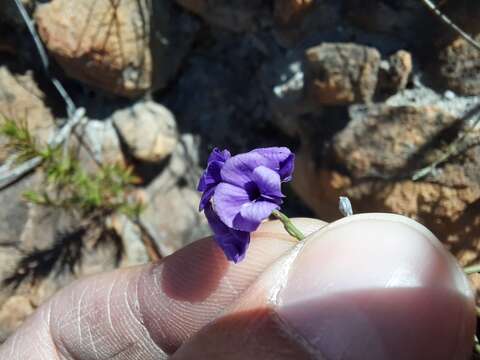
[(237, 170), (211, 176), (287, 167), (252, 214), (217, 155), (206, 196), (234, 243), (228, 200), (283, 159), (268, 182)]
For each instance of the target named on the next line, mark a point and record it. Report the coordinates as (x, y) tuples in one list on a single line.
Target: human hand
[(375, 287)]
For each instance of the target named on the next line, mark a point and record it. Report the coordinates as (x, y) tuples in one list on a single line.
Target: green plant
[(67, 184)]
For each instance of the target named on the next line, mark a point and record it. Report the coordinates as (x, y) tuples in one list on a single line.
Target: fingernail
[(378, 286)]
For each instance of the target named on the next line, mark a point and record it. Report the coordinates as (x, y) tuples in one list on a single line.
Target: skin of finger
[(350, 291), (145, 312), (250, 328)]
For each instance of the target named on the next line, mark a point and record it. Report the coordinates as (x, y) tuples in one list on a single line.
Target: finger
[(147, 312), (373, 286)]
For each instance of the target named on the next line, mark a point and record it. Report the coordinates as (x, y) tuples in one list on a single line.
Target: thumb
[(371, 286)]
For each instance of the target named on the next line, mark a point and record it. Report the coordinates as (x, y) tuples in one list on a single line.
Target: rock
[(125, 49), (459, 67), (172, 216), (399, 134), (341, 74), (374, 158), (131, 235), (148, 129), (233, 15), (394, 73), (100, 144), (12, 314), (21, 100)]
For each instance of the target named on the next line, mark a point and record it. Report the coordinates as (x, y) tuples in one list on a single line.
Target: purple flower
[(240, 192), (211, 177)]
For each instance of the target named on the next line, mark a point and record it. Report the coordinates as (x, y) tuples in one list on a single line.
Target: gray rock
[(172, 215), (148, 129)]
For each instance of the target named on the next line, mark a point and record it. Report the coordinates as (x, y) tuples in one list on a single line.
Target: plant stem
[(288, 225), (472, 269)]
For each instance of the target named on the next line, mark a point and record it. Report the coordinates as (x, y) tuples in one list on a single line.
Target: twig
[(44, 58), (452, 150), (473, 269), (451, 24)]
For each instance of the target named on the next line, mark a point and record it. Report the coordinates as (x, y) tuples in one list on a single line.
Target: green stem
[(288, 225), (472, 269)]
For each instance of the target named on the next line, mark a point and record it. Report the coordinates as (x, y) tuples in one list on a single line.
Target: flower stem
[(288, 225), (472, 269)]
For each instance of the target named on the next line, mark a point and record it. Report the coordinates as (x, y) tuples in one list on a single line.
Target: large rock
[(459, 67), (22, 101), (125, 47), (374, 159), (341, 73), (382, 140), (172, 216), (148, 130), (97, 143)]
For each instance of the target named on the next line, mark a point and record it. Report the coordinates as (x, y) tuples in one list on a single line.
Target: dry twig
[(451, 24)]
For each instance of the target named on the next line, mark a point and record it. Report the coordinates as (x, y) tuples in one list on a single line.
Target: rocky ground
[(367, 92)]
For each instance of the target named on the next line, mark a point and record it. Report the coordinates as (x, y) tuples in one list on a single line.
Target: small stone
[(394, 73), (148, 129), (341, 74), (450, 95)]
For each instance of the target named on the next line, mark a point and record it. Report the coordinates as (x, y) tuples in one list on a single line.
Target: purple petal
[(268, 182), (237, 170), (217, 155), (286, 168), (206, 196), (283, 159), (211, 176), (234, 243), (228, 200), (252, 214)]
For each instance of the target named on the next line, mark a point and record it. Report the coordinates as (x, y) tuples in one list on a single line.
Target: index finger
[(148, 312)]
